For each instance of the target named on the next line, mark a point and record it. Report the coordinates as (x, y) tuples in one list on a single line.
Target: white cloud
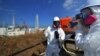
[(78, 9), (68, 4), (93, 2), (72, 4), (7, 10)]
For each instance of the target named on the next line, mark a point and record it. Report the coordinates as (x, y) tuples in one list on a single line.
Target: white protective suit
[(52, 44), (90, 42)]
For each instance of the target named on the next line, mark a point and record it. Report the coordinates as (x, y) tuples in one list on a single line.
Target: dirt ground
[(27, 45), (24, 45)]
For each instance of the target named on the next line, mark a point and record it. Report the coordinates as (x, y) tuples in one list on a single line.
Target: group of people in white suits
[(87, 36)]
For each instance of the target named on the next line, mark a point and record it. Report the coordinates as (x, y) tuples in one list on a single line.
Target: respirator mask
[(56, 24), (87, 16)]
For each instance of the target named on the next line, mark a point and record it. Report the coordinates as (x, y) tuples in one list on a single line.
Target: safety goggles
[(84, 13), (88, 11), (56, 23)]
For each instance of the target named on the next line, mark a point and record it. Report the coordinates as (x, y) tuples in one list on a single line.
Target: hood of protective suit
[(96, 13), (92, 17), (92, 3)]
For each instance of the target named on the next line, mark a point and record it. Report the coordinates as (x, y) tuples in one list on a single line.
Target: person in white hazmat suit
[(55, 36), (89, 41)]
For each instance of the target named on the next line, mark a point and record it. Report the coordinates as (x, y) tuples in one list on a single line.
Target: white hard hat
[(92, 3), (56, 18)]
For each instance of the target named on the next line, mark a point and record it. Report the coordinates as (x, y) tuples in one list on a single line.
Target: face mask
[(86, 12), (56, 24), (89, 20)]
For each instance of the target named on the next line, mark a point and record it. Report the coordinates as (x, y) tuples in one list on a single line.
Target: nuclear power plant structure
[(13, 30), (37, 22)]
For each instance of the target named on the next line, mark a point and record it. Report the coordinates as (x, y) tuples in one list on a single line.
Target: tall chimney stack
[(13, 22), (37, 22)]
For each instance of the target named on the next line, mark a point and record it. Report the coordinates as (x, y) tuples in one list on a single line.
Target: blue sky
[(25, 10)]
